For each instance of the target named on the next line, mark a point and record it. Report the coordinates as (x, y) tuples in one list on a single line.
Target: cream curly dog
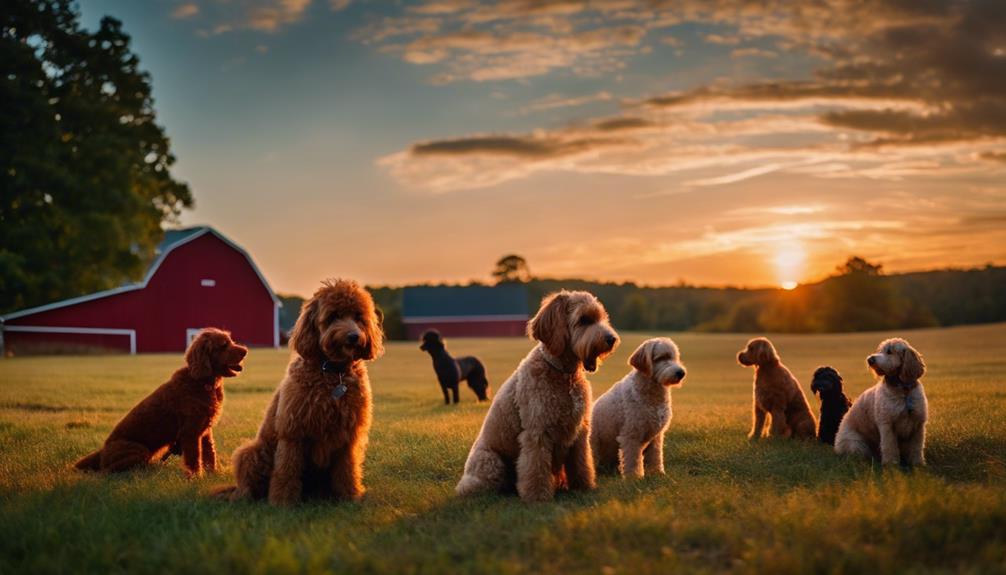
[(889, 419), (776, 394), (630, 418), (536, 434)]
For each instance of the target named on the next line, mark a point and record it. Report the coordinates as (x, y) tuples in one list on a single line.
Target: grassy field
[(725, 504)]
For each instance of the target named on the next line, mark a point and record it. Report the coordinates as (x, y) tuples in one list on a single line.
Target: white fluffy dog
[(630, 419), (889, 419)]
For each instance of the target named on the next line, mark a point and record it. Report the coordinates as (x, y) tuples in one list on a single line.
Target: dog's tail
[(90, 462)]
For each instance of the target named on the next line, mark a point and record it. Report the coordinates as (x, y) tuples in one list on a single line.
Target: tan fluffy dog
[(314, 437), (536, 434), (776, 394), (630, 418), (889, 419)]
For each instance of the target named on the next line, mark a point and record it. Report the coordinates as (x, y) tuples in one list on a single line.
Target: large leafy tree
[(85, 180), (511, 268)]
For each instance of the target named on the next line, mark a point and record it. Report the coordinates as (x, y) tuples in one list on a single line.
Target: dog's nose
[(353, 337), (242, 351), (680, 374), (610, 339), (871, 360)]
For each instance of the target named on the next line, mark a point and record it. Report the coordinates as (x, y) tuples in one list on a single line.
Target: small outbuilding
[(199, 278), (466, 311)]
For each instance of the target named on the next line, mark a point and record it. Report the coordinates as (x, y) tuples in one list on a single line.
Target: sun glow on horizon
[(789, 264), (788, 285)]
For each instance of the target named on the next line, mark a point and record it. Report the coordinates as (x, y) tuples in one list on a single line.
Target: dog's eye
[(586, 320)]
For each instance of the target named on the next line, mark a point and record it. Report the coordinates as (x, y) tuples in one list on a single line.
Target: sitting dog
[(314, 437), (450, 371), (827, 384), (776, 394), (632, 416), (178, 416), (536, 434), (889, 419)]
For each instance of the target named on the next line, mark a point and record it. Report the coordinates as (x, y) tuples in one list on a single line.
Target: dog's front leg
[(915, 447), (454, 390), (285, 486), (447, 397), (632, 456), (347, 472), (209, 452), (580, 463), (534, 466), (758, 425), (653, 455), (191, 444), (889, 452)]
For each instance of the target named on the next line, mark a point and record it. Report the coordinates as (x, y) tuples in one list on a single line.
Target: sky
[(717, 142)]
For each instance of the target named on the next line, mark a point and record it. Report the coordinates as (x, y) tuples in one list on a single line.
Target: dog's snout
[(242, 352), (871, 360), (610, 339), (679, 374), (353, 337)]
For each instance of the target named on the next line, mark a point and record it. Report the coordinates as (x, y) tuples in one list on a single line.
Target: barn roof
[(505, 301), (172, 239)]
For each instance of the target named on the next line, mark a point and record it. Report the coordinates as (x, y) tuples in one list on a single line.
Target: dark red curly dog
[(314, 437), (179, 415)]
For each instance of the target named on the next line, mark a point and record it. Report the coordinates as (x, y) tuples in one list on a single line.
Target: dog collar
[(554, 362), (340, 369)]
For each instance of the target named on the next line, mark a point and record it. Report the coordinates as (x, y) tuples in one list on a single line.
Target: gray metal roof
[(456, 301)]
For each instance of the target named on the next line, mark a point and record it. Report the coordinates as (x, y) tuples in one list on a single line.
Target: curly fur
[(629, 420), (889, 419), (827, 384), (450, 371), (777, 394), (311, 443), (535, 437), (178, 416)]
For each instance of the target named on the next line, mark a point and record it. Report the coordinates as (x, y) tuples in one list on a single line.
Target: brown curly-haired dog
[(179, 415), (314, 437), (629, 420), (776, 394), (536, 434), (889, 419)]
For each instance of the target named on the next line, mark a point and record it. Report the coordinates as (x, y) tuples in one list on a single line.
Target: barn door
[(190, 334)]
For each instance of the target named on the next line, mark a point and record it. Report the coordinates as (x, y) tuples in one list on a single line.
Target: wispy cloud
[(185, 10)]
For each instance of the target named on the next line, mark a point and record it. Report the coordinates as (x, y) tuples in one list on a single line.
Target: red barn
[(199, 279), (466, 311)]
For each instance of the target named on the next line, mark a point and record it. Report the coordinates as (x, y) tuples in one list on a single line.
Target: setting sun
[(788, 285)]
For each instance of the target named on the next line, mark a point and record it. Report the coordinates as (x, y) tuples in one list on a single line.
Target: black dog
[(828, 385), (450, 372)]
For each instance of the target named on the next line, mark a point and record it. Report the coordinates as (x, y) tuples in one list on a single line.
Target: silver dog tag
[(339, 391)]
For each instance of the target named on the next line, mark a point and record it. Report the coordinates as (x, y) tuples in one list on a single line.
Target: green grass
[(725, 504)]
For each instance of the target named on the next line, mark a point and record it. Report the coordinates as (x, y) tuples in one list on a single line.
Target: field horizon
[(725, 505)]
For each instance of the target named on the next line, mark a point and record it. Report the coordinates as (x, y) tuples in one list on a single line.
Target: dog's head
[(214, 354), (339, 323), (659, 360), (481, 391), (576, 322), (826, 381), (431, 341), (897, 359), (759, 351)]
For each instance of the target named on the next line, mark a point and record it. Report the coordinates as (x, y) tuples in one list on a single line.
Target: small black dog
[(834, 403), (451, 372)]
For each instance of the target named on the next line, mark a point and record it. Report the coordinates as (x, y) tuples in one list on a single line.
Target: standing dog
[(776, 394), (632, 416), (827, 384), (889, 419), (314, 436), (450, 371), (536, 434), (178, 416)]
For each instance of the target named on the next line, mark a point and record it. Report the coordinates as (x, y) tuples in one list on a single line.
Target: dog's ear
[(642, 358), (912, 365), (765, 352), (304, 338), (550, 325), (199, 356), (375, 335)]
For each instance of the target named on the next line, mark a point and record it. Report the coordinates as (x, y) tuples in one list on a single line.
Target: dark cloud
[(528, 147)]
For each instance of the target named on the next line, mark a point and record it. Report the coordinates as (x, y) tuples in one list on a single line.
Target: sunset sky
[(715, 141)]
